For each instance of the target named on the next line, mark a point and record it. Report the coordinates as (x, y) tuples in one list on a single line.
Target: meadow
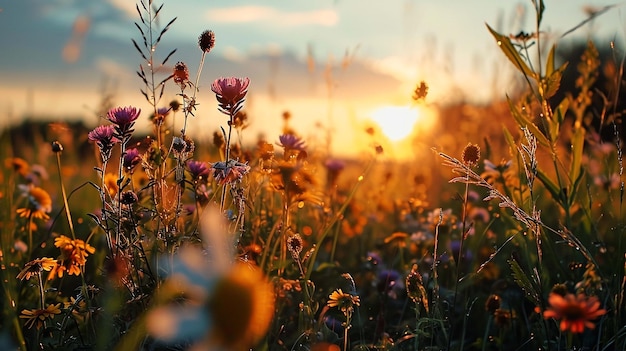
[(515, 240)]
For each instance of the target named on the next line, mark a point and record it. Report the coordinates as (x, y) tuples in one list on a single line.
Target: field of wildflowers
[(111, 240)]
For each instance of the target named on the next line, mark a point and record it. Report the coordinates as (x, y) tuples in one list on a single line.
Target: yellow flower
[(242, 307), (344, 301), (39, 204), (39, 316), (36, 266)]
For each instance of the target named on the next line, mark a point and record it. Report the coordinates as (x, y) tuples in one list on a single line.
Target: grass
[(162, 243)]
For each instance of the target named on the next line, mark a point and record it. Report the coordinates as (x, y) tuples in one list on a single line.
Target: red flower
[(230, 93), (575, 312)]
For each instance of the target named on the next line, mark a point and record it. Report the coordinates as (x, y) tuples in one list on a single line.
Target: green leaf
[(550, 62), (511, 53), (552, 83), (524, 122), (551, 186), (522, 280), (575, 169), (561, 110)]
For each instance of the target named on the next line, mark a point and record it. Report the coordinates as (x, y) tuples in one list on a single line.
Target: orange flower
[(39, 203), (36, 266), (73, 257), (39, 316), (575, 312)]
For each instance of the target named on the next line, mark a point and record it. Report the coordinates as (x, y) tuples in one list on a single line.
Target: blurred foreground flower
[(228, 306), (38, 317), (575, 312)]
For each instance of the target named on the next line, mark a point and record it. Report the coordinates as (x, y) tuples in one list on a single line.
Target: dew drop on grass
[(499, 43), (360, 178)]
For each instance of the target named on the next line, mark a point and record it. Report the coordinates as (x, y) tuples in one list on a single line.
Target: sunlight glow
[(397, 122)]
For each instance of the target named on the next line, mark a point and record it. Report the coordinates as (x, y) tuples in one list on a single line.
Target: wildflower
[(291, 142), (333, 168), (56, 147), (241, 307), (174, 105), (35, 267), (575, 312), (344, 301), (124, 118), (471, 154), (206, 41), (415, 287), (178, 144), (39, 204), (131, 159), (181, 75), (129, 198), (18, 165), (230, 93), (39, 316), (295, 244), (198, 170), (105, 139), (73, 256), (161, 114), (229, 172)]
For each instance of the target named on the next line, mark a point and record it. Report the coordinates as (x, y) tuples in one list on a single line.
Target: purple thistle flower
[(229, 172), (123, 117), (291, 142)]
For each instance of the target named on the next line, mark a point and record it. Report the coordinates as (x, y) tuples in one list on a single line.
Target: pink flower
[(230, 93)]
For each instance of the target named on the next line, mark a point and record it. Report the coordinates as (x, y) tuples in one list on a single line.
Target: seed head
[(206, 41), (471, 154)]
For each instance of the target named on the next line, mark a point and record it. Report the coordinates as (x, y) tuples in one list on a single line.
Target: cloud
[(272, 16), (128, 7)]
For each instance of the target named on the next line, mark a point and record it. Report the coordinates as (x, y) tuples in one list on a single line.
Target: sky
[(333, 64)]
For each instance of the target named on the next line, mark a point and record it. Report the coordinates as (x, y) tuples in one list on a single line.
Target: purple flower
[(291, 142), (104, 136), (131, 159), (198, 170), (123, 117), (230, 93)]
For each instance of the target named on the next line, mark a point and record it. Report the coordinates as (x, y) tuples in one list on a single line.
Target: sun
[(397, 122)]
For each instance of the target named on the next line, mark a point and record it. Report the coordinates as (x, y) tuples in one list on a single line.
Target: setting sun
[(398, 122)]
